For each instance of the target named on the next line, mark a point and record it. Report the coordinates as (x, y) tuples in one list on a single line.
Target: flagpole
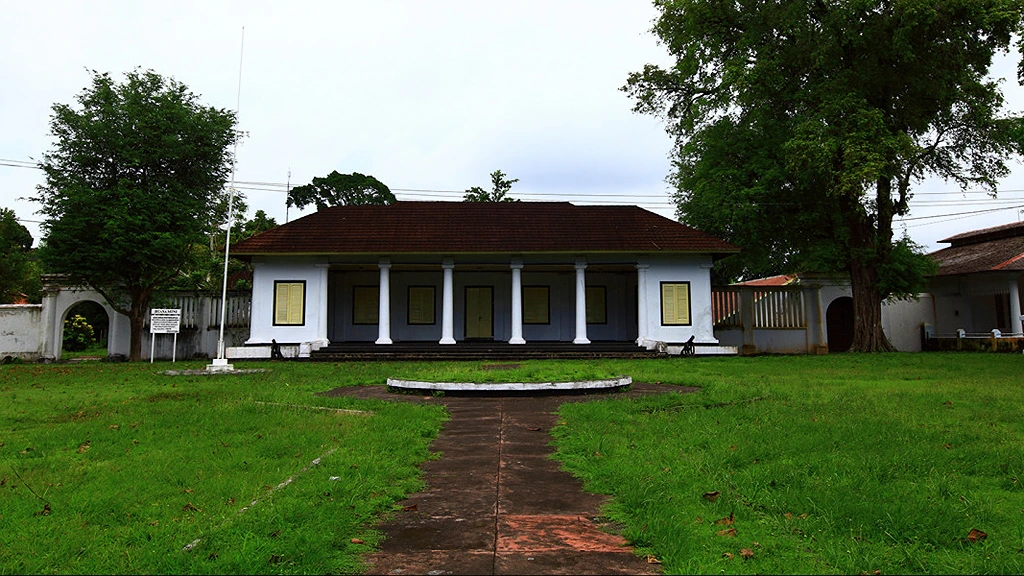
[(220, 364)]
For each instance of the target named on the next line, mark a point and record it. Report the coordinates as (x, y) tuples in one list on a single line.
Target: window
[(675, 303), (536, 305), (597, 309), (365, 305), (289, 303), (421, 305)]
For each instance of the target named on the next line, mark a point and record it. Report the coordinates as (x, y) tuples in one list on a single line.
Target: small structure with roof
[(455, 273), (978, 285)]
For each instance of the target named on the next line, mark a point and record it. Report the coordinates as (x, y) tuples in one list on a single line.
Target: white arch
[(59, 300)]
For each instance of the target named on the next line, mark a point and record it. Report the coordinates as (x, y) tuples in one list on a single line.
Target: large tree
[(341, 190), (134, 180), (500, 186), (801, 126), (19, 275)]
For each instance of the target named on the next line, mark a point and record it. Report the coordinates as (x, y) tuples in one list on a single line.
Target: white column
[(384, 315), (581, 304), (321, 317), (641, 302), (1016, 325), (820, 344), (517, 303), (51, 331), (447, 304)]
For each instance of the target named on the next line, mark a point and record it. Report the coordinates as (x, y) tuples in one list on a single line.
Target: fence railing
[(237, 315), (771, 308), (203, 310)]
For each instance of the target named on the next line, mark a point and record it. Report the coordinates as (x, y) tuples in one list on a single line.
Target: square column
[(517, 303), (323, 271), (581, 304), (447, 304), (641, 302), (384, 315)]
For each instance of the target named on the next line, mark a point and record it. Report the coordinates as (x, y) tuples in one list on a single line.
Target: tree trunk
[(870, 244), (867, 311), (136, 317)]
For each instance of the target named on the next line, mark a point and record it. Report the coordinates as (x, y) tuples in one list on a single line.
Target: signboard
[(164, 320)]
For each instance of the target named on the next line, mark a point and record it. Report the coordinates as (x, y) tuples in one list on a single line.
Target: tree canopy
[(134, 180), (802, 125), (500, 186), (19, 274), (341, 190), (205, 272)]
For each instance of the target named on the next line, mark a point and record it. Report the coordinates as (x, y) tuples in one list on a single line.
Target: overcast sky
[(429, 97)]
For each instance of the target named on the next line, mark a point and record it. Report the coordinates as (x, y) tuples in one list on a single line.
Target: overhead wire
[(653, 200)]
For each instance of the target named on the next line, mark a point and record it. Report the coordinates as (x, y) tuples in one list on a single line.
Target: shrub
[(78, 333)]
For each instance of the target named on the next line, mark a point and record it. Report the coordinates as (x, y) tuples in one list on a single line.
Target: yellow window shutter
[(675, 303), (288, 303)]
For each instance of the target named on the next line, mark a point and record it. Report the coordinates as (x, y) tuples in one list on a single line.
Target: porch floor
[(422, 351)]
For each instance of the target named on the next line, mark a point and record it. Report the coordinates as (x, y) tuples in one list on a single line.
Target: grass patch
[(843, 464), (115, 468), (837, 464), (94, 349), (490, 372)]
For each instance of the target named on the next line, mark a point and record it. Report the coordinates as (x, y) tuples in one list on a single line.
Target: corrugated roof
[(986, 234), (999, 248), (481, 227)]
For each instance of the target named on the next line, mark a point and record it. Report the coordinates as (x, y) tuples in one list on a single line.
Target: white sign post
[(164, 321)]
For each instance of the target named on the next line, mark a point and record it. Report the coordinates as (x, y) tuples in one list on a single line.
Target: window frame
[(355, 303), (547, 303), (604, 304), (433, 305), (278, 285), (689, 304)]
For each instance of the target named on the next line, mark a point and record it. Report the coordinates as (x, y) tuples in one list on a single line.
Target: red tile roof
[(999, 248), (781, 280), (481, 227)]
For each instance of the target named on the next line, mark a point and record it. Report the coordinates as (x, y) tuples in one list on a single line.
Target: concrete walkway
[(496, 503)]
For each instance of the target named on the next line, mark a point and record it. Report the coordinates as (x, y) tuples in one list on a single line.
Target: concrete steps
[(472, 351)]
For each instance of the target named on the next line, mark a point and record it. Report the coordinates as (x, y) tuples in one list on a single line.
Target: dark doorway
[(839, 324), (85, 329)]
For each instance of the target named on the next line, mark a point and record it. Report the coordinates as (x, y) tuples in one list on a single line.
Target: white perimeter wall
[(21, 331)]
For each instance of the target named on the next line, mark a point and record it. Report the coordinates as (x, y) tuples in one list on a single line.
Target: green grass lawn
[(113, 468), (842, 464), (837, 464)]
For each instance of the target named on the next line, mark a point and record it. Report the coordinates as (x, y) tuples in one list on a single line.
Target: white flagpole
[(221, 362)]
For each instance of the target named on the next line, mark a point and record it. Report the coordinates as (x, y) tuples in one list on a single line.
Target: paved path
[(495, 503)]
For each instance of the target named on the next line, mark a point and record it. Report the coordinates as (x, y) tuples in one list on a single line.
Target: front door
[(479, 312)]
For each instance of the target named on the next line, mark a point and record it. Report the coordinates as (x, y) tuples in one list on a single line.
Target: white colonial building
[(455, 272)]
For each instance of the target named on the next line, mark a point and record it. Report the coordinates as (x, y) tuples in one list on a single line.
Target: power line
[(963, 214), (662, 201), (282, 187), (18, 164)]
